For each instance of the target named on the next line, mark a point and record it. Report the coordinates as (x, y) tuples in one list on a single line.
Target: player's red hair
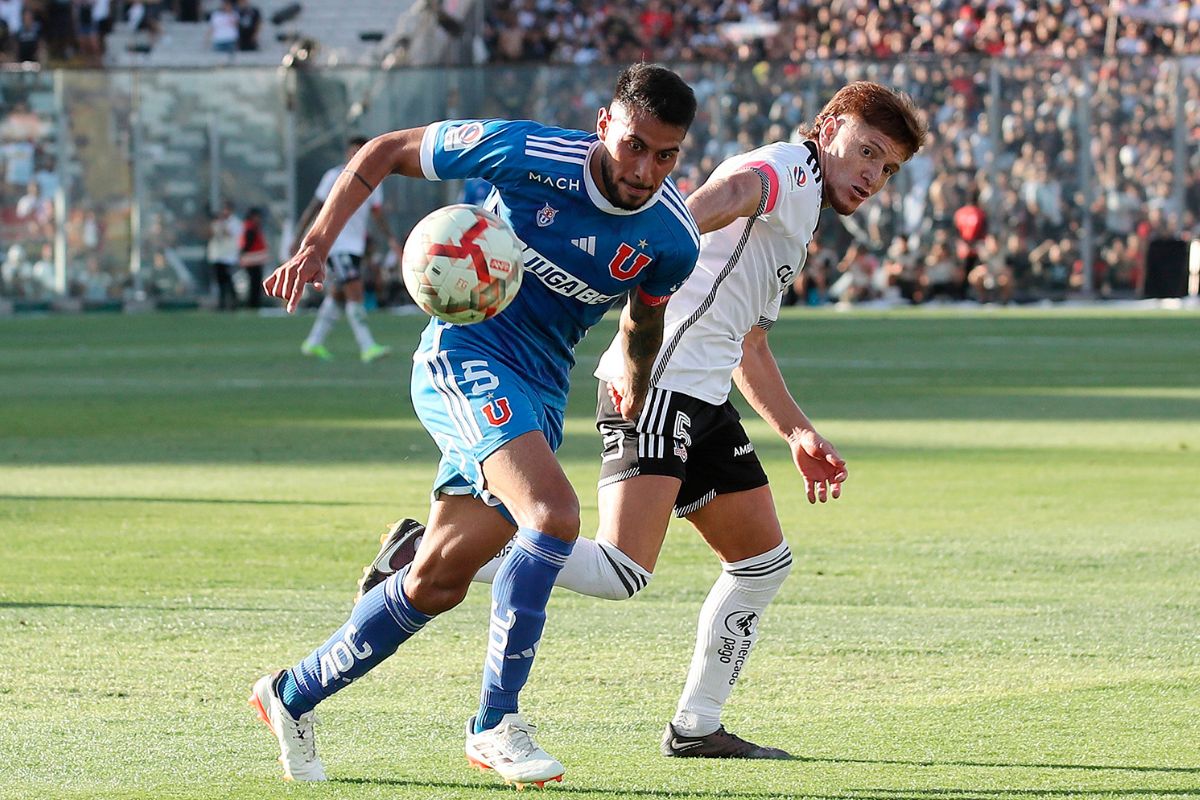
[(891, 112)]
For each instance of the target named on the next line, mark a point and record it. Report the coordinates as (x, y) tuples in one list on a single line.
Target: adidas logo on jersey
[(586, 243)]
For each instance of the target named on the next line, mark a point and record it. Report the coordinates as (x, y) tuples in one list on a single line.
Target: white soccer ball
[(462, 264)]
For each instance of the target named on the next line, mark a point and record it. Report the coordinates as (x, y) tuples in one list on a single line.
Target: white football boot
[(509, 749), (297, 747)]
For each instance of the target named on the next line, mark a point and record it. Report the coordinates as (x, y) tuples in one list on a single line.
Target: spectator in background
[(19, 159), (29, 39), (96, 284), (143, 19), (10, 23), (249, 22), (855, 273), (37, 212), (224, 233), (13, 271), (991, 278), (223, 28), (60, 28), (41, 275), (102, 16), (970, 221), (253, 253), (904, 270), (88, 32), (812, 285), (943, 273)]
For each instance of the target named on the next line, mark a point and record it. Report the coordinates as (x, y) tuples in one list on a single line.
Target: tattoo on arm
[(642, 341), (361, 179)]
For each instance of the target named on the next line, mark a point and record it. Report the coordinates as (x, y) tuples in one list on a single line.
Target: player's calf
[(726, 633)]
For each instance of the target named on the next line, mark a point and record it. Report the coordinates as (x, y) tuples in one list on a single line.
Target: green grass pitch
[(1005, 603)]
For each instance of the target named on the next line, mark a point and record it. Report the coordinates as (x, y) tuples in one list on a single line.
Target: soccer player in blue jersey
[(599, 220)]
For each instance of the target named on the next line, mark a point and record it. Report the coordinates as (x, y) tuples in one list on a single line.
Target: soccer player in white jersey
[(687, 453), (345, 266)]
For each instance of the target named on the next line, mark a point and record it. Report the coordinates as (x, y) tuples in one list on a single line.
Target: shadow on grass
[(966, 794), (852, 794), (200, 500), (111, 607), (1095, 767), (556, 788)]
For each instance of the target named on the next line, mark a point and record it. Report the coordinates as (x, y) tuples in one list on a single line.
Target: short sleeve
[(792, 189), (669, 275), (770, 313), (492, 149)]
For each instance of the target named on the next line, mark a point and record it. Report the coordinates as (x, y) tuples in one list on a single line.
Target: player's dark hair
[(658, 91), (891, 112), (357, 141)]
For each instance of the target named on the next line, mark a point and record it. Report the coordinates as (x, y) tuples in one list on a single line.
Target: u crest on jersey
[(619, 267), (546, 215)]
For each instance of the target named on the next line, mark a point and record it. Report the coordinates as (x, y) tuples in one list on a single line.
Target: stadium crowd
[(592, 31), (1029, 135), (994, 210)]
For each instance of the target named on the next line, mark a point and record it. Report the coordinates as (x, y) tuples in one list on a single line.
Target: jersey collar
[(599, 200)]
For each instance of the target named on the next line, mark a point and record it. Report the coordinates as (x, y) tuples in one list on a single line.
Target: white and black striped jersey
[(741, 274)]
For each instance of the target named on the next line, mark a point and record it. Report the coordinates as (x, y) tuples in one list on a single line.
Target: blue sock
[(520, 592), (381, 622)]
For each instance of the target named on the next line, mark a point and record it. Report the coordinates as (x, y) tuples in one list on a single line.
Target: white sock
[(597, 569), (327, 315), (357, 317), (727, 631)]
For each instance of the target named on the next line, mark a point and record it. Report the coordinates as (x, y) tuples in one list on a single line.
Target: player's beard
[(613, 189)]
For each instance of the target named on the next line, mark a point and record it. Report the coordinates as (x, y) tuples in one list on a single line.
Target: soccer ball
[(462, 264)]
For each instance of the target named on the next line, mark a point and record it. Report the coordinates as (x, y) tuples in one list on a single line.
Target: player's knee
[(557, 517), (623, 577), (626, 586), (767, 572), (433, 588)]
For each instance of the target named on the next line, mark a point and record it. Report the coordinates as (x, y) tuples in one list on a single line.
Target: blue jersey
[(582, 254)]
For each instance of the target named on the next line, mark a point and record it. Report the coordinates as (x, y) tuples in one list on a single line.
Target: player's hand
[(823, 469), (288, 279), (627, 405)]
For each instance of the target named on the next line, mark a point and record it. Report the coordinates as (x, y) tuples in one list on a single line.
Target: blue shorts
[(472, 405)]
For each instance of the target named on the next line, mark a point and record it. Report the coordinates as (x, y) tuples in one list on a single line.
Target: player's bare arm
[(396, 153), (760, 382), (641, 332), (719, 202)]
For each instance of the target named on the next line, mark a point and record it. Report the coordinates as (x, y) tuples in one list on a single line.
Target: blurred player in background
[(687, 452), (600, 221), (345, 262)]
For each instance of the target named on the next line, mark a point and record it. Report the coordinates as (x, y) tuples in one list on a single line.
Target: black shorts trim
[(344, 268), (679, 436)]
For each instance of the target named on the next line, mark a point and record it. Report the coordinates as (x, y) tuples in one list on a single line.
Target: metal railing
[(110, 176)]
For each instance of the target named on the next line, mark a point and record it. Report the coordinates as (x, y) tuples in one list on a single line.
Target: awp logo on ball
[(501, 267)]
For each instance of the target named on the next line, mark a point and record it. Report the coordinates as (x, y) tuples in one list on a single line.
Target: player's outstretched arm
[(760, 382), (396, 153), (641, 335), (722, 200)]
